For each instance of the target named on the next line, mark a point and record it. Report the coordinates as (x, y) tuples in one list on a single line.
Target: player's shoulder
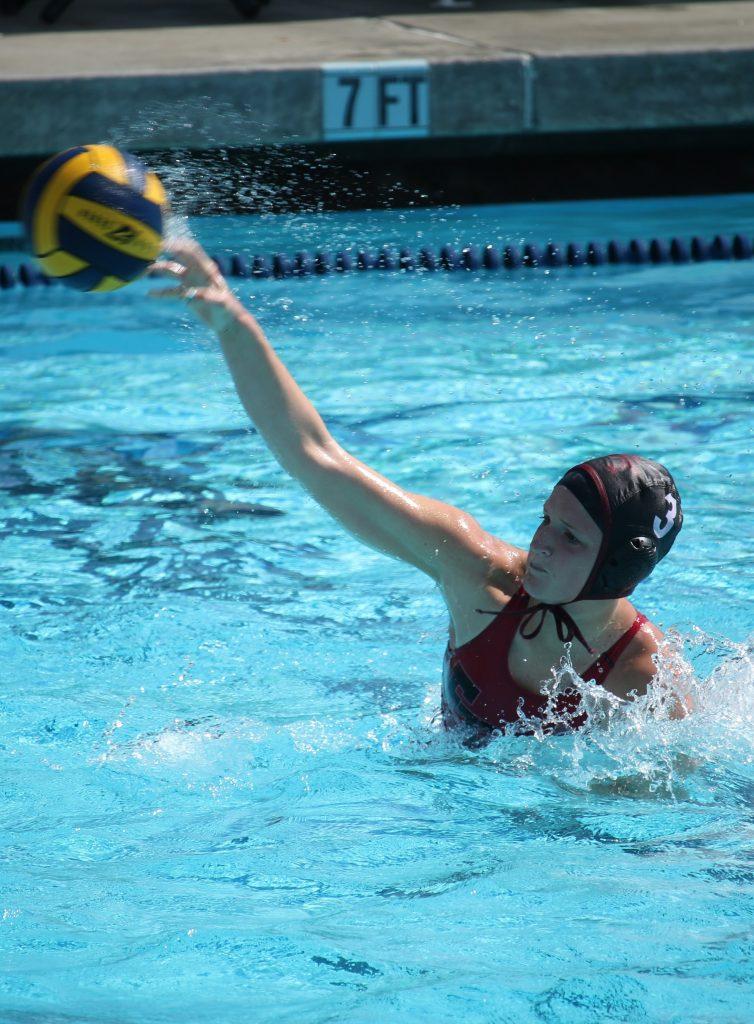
[(507, 567), (481, 560), (636, 667)]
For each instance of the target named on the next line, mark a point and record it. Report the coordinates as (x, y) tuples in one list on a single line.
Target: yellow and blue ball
[(94, 217)]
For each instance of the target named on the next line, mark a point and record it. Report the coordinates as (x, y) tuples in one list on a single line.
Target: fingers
[(179, 245), (199, 265), (189, 252), (166, 267), (179, 293), (165, 293)]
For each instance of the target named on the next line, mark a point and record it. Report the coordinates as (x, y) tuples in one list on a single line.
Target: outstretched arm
[(437, 538)]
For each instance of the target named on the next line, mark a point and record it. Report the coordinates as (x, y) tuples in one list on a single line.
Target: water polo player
[(606, 525)]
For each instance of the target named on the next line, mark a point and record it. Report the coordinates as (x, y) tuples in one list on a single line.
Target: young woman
[(605, 526)]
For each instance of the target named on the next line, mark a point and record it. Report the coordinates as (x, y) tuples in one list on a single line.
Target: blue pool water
[(225, 793)]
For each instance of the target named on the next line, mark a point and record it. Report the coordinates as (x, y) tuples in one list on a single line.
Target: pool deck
[(195, 75)]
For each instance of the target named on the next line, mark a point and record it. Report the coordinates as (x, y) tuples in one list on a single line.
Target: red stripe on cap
[(596, 479)]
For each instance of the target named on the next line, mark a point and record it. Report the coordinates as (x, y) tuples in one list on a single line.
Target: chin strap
[(566, 628)]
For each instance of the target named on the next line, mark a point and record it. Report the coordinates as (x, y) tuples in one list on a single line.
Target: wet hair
[(636, 505)]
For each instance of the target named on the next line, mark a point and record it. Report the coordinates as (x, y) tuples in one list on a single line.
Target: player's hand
[(200, 283)]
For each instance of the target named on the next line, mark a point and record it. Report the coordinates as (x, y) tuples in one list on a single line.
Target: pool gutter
[(505, 73)]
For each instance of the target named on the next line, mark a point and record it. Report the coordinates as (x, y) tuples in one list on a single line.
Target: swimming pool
[(226, 795)]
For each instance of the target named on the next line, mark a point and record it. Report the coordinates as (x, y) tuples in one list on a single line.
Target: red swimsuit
[(479, 689)]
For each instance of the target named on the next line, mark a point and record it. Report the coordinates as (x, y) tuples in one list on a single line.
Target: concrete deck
[(194, 74)]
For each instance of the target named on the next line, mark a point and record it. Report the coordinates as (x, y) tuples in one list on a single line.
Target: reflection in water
[(152, 474)]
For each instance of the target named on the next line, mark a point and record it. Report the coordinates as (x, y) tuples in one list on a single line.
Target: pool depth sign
[(386, 99)]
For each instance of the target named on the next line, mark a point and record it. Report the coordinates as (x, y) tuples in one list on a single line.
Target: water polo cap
[(636, 505)]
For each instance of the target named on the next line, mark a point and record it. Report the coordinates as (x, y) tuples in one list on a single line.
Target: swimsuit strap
[(516, 605), (564, 623), (607, 661)]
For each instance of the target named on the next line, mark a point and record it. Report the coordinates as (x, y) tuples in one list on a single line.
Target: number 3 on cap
[(661, 528)]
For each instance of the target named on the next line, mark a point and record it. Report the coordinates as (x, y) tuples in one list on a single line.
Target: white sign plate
[(383, 100)]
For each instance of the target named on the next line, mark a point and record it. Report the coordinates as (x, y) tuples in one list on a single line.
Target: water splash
[(638, 747)]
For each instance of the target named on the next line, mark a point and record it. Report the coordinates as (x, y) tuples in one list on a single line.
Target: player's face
[(562, 551)]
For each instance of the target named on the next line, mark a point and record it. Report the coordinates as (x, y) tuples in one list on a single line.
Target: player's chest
[(540, 659)]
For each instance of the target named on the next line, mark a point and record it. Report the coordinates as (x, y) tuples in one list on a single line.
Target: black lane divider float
[(474, 257)]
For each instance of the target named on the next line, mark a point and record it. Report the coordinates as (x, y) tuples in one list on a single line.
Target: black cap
[(635, 503)]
